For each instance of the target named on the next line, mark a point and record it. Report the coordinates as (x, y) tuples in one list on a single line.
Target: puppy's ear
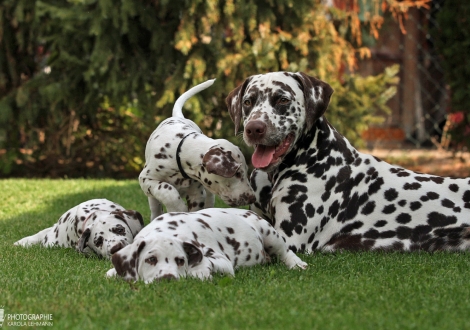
[(317, 95), (234, 103), (193, 253), (220, 162), (132, 218), (83, 241), (126, 261)]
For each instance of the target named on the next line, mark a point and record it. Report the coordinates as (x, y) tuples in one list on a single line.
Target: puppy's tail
[(178, 107)]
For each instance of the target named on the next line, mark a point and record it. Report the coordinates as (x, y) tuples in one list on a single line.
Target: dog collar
[(178, 159)]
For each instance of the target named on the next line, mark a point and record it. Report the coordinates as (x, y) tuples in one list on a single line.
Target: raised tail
[(178, 107)]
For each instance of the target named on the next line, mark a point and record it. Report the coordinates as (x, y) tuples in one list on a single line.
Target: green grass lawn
[(338, 291)]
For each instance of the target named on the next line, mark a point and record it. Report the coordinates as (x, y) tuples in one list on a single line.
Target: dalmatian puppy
[(197, 244), (97, 226), (181, 162), (319, 192)]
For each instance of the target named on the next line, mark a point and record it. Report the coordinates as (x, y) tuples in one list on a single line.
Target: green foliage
[(84, 82), (453, 41), (357, 96)]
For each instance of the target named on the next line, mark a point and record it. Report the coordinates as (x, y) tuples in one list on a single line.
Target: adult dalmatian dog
[(183, 162), (198, 244), (322, 194), (96, 226)]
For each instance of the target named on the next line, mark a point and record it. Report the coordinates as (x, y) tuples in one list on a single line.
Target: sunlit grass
[(337, 291)]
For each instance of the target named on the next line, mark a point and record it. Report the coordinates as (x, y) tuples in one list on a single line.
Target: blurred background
[(83, 83)]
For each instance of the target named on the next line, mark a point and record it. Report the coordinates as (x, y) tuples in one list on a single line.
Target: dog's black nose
[(255, 130)]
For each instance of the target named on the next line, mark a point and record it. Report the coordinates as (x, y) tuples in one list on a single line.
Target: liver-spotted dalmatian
[(181, 162), (96, 226), (322, 194), (198, 244)]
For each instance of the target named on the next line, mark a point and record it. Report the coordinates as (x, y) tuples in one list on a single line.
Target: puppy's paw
[(292, 261), (111, 273), (202, 274)]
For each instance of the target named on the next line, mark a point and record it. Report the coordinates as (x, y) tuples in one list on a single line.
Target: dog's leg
[(221, 264), (196, 197), (164, 193), (262, 187), (34, 239), (156, 208), (111, 273), (202, 270), (215, 263), (210, 200), (275, 244)]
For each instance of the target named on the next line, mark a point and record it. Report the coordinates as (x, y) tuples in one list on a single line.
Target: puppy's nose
[(168, 277), (255, 129), (251, 199)]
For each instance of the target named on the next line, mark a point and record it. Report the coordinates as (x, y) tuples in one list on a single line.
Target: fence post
[(411, 99)]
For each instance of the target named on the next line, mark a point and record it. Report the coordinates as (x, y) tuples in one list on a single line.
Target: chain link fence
[(418, 116)]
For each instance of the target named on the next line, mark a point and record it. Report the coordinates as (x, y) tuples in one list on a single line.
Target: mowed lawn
[(338, 291)]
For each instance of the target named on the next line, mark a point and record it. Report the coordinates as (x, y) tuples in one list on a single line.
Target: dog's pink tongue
[(262, 156)]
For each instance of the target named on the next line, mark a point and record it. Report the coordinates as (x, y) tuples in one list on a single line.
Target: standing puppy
[(321, 193), (98, 226), (200, 243), (181, 162)]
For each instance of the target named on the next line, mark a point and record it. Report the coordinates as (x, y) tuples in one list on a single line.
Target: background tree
[(453, 42), (83, 83)]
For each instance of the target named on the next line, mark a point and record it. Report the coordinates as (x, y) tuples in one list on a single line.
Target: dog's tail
[(178, 107)]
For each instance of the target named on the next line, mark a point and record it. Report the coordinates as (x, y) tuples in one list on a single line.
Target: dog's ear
[(193, 253), (220, 162), (234, 103), (126, 261), (317, 95), (83, 241), (132, 218)]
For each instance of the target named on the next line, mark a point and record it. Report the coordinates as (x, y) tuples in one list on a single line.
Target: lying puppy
[(109, 225), (181, 162), (198, 244)]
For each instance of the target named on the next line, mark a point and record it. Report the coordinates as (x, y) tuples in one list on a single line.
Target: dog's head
[(156, 257), (225, 173), (277, 109), (106, 232)]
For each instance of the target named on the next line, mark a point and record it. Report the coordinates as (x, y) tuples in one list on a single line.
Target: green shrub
[(83, 83)]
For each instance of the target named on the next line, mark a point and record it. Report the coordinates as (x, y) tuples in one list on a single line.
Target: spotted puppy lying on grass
[(97, 226), (200, 243)]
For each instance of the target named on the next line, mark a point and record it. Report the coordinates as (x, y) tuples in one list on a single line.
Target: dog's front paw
[(292, 261), (111, 273), (201, 274), (25, 242), (301, 264)]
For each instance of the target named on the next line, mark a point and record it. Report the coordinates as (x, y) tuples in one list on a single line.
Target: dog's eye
[(151, 260), (247, 103), (283, 100), (179, 261), (238, 175), (119, 230)]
